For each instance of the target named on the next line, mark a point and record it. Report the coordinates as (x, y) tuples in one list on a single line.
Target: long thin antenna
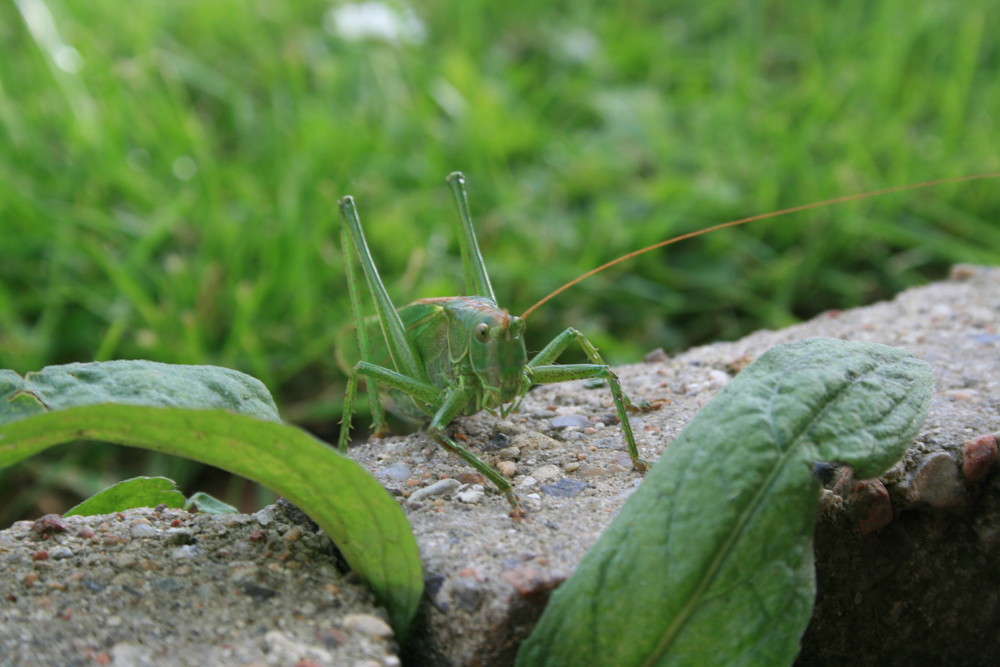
[(761, 216)]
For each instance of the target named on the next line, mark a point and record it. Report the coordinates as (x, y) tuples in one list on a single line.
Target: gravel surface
[(165, 587), (488, 576)]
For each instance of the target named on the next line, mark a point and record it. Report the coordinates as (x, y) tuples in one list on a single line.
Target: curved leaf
[(133, 382), (365, 522), (710, 561), (129, 493)]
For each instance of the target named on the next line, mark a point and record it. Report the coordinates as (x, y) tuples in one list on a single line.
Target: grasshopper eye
[(482, 332)]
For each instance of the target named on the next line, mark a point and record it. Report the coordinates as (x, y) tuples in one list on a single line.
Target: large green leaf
[(133, 382), (136, 404), (710, 561)]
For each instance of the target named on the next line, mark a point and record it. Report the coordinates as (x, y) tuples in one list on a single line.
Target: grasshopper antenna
[(760, 216)]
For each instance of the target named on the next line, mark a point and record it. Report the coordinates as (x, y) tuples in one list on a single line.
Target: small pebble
[(470, 494), (179, 536), (960, 272), (978, 457), (718, 378), (265, 517), (125, 560), (367, 624), (532, 501), (546, 473), (398, 472), (471, 477), (467, 594), (529, 580), (936, 483), (507, 468), (601, 471), (257, 592), (564, 488), (61, 553), (498, 441), (439, 488), (568, 421), (534, 440), (505, 426), (142, 530), (656, 356), (526, 482), (309, 655), (186, 551), (872, 508), (50, 523), (623, 459)]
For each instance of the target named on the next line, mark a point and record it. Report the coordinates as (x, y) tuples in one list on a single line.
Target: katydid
[(454, 356)]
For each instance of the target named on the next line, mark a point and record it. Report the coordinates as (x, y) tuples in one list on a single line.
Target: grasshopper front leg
[(450, 408), (542, 370)]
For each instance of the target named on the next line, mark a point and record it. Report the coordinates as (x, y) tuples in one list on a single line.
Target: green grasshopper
[(455, 356)]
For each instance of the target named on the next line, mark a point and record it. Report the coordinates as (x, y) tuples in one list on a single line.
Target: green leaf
[(207, 504), (365, 522), (130, 382), (135, 492), (710, 561)]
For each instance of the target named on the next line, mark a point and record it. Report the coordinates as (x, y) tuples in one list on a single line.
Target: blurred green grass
[(169, 173)]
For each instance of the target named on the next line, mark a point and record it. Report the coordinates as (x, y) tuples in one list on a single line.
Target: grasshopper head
[(498, 355), (485, 345)]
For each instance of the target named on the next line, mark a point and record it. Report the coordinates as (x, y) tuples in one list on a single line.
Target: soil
[(906, 565)]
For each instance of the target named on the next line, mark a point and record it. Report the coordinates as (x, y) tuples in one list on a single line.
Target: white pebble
[(439, 488), (526, 482), (142, 530), (366, 624), (470, 494), (546, 473)]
